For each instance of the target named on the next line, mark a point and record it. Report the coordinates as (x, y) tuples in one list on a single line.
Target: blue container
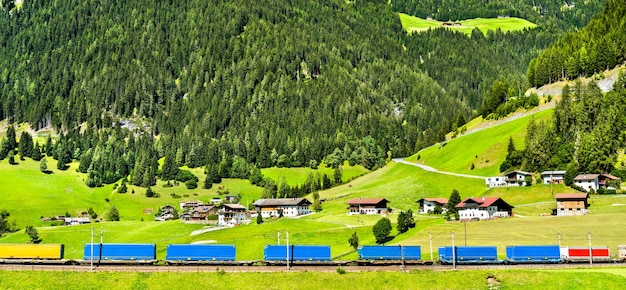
[(533, 254), (200, 253), (390, 253), (121, 252), (469, 254), (296, 253)]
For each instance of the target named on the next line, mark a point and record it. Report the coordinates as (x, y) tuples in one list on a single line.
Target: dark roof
[(281, 201), (571, 196), (586, 176), (371, 201), (484, 202), (203, 208), (439, 200)]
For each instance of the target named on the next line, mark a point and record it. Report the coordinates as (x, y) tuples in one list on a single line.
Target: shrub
[(341, 270), (191, 184)]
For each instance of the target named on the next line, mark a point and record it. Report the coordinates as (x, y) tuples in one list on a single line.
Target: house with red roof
[(568, 204), (484, 208), (428, 204), (367, 206)]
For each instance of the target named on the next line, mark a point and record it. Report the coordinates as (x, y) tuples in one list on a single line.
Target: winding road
[(430, 169)]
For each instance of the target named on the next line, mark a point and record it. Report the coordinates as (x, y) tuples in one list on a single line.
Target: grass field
[(298, 176), (470, 279), (486, 149), (29, 194), (416, 24)]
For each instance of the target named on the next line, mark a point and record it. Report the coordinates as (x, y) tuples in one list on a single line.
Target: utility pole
[(559, 234), (465, 231), (453, 253), (590, 249), (279, 238), (91, 263), (430, 237), (287, 237)]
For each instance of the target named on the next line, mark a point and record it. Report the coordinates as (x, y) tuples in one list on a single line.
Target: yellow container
[(30, 251)]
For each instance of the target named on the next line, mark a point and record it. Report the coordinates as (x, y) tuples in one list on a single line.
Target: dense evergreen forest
[(599, 46), (240, 85)]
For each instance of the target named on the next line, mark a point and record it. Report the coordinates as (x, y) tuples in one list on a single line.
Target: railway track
[(296, 268)]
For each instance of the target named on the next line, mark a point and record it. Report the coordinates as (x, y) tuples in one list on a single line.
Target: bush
[(191, 184), (185, 175), (341, 270)]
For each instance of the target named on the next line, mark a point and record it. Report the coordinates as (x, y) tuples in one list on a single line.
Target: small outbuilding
[(367, 206), (568, 204)]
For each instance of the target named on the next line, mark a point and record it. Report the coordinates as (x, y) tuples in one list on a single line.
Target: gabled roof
[(586, 177), (367, 201), (234, 206), (483, 201), (571, 196), (609, 176), (518, 171), (555, 172), (438, 200), (203, 208), (281, 201)]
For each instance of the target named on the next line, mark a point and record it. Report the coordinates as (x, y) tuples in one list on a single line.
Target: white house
[(290, 207), (232, 214), (513, 178), (427, 205), (553, 177), (587, 181), (484, 208)]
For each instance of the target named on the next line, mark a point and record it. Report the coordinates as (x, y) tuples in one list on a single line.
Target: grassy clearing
[(29, 194), (486, 149), (416, 24), (299, 175), (471, 279)]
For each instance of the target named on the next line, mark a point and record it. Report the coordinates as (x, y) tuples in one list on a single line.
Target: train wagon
[(581, 254), (390, 253), (469, 255), (177, 253), (296, 253), (32, 251), (533, 254), (120, 252)]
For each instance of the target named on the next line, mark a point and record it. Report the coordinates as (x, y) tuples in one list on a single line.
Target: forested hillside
[(240, 85), (599, 46)]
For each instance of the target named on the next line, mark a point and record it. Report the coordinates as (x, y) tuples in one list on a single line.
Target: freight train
[(182, 254)]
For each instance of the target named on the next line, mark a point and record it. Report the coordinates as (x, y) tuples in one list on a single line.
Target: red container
[(581, 254)]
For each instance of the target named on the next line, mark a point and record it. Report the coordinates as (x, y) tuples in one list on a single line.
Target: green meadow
[(416, 24), (471, 279), (486, 149)]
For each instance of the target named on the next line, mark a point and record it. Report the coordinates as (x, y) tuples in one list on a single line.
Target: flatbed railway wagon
[(533, 254), (31, 251), (582, 254), (469, 255), (120, 253), (181, 253)]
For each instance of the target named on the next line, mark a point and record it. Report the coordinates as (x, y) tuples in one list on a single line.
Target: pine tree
[(43, 166), (354, 241), (455, 198), (113, 214)]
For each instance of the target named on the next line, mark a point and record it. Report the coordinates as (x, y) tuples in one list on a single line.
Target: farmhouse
[(190, 204), (70, 221), (571, 204), (290, 207), (484, 208), (367, 206), (201, 213), (428, 204), (232, 214), (165, 213), (595, 181), (513, 178), (553, 177)]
